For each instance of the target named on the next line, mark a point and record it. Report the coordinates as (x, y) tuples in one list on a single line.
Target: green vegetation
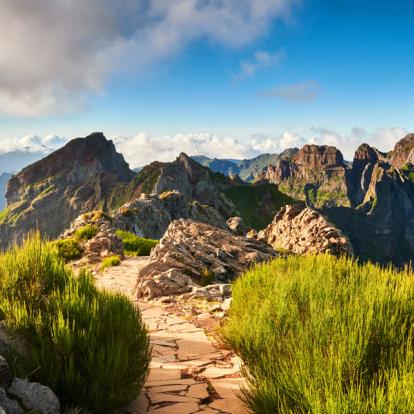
[(86, 232), (3, 215), (68, 249), (326, 336), (207, 277), (257, 204), (134, 245), (90, 347), (110, 261)]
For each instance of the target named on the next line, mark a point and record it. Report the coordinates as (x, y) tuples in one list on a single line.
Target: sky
[(222, 78)]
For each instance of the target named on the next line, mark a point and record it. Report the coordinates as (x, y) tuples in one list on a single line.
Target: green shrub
[(110, 262), (90, 347), (68, 249), (134, 245), (86, 232), (324, 335)]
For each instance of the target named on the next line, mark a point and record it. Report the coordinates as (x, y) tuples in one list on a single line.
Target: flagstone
[(198, 391), (180, 408), (229, 405), (165, 397), (164, 374)]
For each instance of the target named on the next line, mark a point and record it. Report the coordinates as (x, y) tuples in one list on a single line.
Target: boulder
[(302, 230), (35, 396), (193, 254), (7, 405), (237, 226)]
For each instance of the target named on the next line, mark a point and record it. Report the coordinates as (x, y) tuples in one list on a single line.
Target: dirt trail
[(188, 372)]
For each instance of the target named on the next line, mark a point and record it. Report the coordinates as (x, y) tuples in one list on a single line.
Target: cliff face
[(82, 176), (315, 174)]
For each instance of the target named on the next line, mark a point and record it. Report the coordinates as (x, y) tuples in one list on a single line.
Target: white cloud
[(142, 148), (298, 92), (55, 52), (261, 60)]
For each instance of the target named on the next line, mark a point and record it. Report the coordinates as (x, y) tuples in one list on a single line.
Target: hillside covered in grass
[(326, 336)]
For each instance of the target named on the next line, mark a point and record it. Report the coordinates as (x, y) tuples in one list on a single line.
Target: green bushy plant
[(110, 262), (134, 245), (324, 335), (86, 232), (91, 347), (68, 249)]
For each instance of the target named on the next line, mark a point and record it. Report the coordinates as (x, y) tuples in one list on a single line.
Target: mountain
[(86, 174), (372, 201), (247, 169), (4, 178)]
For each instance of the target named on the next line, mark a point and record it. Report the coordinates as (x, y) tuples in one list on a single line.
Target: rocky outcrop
[(403, 152), (18, 396), (103, 243), (150, 215), (302, 230), (84, 175), (315, 174), (237, 226), (193, 254)]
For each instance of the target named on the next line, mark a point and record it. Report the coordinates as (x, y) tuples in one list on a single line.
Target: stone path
[(188, 372)]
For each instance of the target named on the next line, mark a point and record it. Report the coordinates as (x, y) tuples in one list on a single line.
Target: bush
[(110, 262), (90, 347), (326, 336), (86, 232), (134, 245), (68, 249)]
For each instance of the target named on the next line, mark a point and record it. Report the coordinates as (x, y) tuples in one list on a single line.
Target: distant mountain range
[(370, 200), (247, 169)]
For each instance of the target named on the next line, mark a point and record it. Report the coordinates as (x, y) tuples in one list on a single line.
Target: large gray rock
[(193, 254), (35, 396), (7, 405), (6, 377)]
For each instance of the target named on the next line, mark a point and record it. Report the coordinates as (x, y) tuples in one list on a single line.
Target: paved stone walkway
[(188, 372)]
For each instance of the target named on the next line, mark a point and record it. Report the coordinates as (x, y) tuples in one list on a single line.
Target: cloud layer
[(142, 148), (53, 53)]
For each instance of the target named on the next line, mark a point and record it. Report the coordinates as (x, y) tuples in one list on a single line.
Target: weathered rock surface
[(18, 396), (193, 254), (150, 215), (403, 152), (315, 174), (104, 243), (35, 396), (303, 230), (84, 175), (237, 226), (4, 178)]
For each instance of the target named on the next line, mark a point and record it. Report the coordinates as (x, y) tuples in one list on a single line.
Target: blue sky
[(327, 68)]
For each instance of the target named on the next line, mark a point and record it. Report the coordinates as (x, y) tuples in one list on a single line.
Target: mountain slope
[(82, 176)]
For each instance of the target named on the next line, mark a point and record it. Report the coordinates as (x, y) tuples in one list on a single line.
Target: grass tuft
[(86, 232), (68, 249), (110, 262), (134, 245), (326, 336), (91, 347)]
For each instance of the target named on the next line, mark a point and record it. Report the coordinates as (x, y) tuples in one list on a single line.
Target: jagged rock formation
[(194, 254), (315, 174), (403, 152), (302, 230), (84, 175), (4, 178)]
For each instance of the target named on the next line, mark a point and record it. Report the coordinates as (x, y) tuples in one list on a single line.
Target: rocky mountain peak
[(403, 152), (319, 157)]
